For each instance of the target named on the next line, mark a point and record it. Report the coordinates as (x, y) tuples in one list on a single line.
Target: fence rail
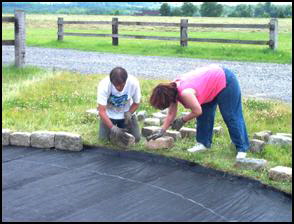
[(19, 36), (272, 26)]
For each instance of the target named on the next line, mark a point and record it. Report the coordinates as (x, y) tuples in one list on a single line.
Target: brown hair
[(163, 95), (118, 75)]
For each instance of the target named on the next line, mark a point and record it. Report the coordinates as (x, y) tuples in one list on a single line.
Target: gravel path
[(263, 80)]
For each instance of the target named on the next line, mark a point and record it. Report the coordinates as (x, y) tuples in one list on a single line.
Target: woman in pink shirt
[(201, 90)]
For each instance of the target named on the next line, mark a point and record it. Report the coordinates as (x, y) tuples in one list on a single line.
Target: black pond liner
[(100, 184)]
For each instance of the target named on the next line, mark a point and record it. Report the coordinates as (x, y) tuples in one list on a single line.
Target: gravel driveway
[(263, 80)]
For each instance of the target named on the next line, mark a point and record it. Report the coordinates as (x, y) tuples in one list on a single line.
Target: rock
[(174, 134), (279, 139), (164, 142), (131, 141), (68, 141), (188, 132), (160, 116), (141, 115), (20, 139), (152, 122), (5, 136), (251, 163), (43, 139), (218, 130), (165, 111), (280, 173), (146, 131), (92, 112), (262, 135), (285, 134), (256, 145)]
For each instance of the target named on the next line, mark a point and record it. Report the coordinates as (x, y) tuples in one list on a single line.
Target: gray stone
[(131, 141), (188, 132), (262, 135), (280, 173), (92, 112), (218, 131), (251, 163), (279, 139), (165, 111), (174, 134), (146, 131), (5, 136), (152, 122), (68, 141), (20, 139), (160, 116), (42, 139), (141, 115), (164, 142), (285, 134), (256, 145)]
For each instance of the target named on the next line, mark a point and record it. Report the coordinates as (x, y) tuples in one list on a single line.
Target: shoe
[(241, 155), (198, 147)]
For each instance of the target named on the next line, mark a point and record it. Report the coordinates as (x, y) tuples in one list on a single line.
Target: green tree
[(211, 9), (177, 12), (165, 10), (188, 9)]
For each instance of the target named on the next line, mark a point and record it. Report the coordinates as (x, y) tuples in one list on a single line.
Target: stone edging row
[(43, 139)]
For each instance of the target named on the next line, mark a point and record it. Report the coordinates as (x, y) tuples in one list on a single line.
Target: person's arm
[(104, 116), (190, 100), (172, 112)]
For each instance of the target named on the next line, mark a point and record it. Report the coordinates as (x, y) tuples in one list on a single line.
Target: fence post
[(114, 31), (184, 33), (60, 28), (273, 29), (19, 37)]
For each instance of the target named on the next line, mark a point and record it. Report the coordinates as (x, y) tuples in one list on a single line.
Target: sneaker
[(198, 147), (241, 155)]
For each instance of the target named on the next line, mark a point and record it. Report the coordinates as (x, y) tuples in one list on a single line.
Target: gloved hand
[(156, 134), (178, 123), (128, 118), (118, 135)]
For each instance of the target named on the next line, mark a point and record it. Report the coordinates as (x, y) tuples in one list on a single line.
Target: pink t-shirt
[(208, 81)]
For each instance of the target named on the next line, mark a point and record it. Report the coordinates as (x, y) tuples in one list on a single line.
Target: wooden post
[(273, 30), (184, 33), (60, 28), (19, 38), (114, 31)]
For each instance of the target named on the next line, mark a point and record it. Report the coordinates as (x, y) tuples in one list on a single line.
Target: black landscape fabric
[(99, 184)]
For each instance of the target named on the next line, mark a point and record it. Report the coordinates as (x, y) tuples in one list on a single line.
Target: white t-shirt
[(118, 102)]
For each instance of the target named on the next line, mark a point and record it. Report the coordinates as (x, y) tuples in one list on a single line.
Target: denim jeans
[(104, 131), (230, 105)]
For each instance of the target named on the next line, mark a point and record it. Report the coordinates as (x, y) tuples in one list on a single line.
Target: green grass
[(58, 101), (43, 33)]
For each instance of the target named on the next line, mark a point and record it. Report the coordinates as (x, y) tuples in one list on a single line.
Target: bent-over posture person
[(201, 90), (118, 97)]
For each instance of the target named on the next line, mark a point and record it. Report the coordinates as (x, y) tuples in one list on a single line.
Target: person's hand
[(178, 123), (128, 118), (118, 134), (157, 134)]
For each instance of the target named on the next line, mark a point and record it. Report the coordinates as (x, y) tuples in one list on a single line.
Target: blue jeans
[(230, 105)]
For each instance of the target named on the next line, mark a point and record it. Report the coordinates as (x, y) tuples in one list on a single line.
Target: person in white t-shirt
[(118, 97)]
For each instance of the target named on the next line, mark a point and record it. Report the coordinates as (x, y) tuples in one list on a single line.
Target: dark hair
[(118, 75), (163, 95)]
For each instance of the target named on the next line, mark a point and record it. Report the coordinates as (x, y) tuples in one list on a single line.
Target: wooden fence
[(19, 41), (272, 26)]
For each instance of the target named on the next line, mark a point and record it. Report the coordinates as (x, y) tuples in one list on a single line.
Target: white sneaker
[(241, 155), (198, 147)]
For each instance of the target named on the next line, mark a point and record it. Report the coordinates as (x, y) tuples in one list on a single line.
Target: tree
[(188, 9), (211, 9), (177, 12), (165, 10), (242, 11)]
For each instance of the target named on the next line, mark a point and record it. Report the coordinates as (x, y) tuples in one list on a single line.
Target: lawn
[(36, 99)]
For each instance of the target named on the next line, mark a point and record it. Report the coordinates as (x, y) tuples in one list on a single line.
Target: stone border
[(43, 139)]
